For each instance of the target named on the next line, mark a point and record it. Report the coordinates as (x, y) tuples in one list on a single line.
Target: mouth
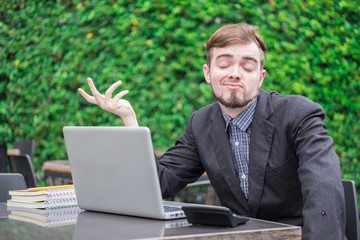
[(233, 85)]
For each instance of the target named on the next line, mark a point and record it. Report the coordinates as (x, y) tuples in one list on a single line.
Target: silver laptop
[(114, 170)]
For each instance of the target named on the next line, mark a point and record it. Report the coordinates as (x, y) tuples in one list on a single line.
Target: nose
[(235, 73)]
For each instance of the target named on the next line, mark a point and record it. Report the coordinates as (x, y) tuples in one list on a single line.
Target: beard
[(235, 101)]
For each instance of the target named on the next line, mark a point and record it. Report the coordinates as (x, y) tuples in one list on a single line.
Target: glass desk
[(103, 226)]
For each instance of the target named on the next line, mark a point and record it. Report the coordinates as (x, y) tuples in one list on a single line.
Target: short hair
[(234, 34)]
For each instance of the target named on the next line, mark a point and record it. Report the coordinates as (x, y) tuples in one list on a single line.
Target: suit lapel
[(221, 145), (260, 145)]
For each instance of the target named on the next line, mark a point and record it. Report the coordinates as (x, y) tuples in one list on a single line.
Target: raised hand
[(116, 105)]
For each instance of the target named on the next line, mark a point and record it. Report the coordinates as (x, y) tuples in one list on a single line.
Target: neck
[(234, 112)]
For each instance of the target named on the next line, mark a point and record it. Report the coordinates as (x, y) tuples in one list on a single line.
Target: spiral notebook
[(55, 203), (46, 211), (114, 170), (46, 217), (50, 215), (50, 190), (43, 194), (44, 197)]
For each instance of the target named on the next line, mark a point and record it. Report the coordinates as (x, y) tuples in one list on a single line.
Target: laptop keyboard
[(171, 209)]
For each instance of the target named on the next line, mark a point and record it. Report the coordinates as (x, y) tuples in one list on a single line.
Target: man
[(267, 155)]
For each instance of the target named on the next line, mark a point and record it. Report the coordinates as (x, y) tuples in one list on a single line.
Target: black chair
[(23, 164), (352, 231), (10, 181), (3, 158), (26, 146)]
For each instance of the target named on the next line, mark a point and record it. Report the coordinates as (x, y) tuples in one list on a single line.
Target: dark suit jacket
[(294, 172)]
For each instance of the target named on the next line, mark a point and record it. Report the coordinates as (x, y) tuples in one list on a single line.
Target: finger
[(120, 95), (87, 97), (111, 89), (95, 92)]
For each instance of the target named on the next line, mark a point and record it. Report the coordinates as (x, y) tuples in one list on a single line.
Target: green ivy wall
[(49, 48)]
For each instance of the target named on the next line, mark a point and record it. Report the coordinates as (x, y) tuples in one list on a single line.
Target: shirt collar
[(243, 120)]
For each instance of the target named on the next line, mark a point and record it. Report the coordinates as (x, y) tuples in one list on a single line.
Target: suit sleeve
[(180, 165), (320, 176)]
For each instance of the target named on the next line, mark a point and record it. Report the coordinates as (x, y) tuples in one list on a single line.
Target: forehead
[(237, 50)]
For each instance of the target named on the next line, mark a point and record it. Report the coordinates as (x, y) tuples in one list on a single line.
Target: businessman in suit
[(267, 155)]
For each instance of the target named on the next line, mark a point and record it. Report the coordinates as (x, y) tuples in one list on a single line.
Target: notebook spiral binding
[(60, 203), (64, 211), (57, 193)]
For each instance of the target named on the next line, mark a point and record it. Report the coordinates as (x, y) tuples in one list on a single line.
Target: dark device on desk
[(213, 215)]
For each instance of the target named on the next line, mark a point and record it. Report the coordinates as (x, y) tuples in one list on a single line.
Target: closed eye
[(249, 65), (223, 65)]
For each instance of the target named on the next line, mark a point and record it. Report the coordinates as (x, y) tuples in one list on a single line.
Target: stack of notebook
[(44, 206)]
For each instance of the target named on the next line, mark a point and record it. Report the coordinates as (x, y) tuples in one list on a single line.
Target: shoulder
[(207, 111), (204, 117), (291, 100), (285, 104), (287, 111)]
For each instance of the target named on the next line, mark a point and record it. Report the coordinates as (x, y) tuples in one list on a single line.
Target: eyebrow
[(231, 56), (250, 58), (224, 55)]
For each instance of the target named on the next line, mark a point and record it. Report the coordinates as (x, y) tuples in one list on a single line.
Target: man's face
[(235, 75)]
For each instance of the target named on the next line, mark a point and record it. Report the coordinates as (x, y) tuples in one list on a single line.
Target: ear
[(262, 76), (206, 71)]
